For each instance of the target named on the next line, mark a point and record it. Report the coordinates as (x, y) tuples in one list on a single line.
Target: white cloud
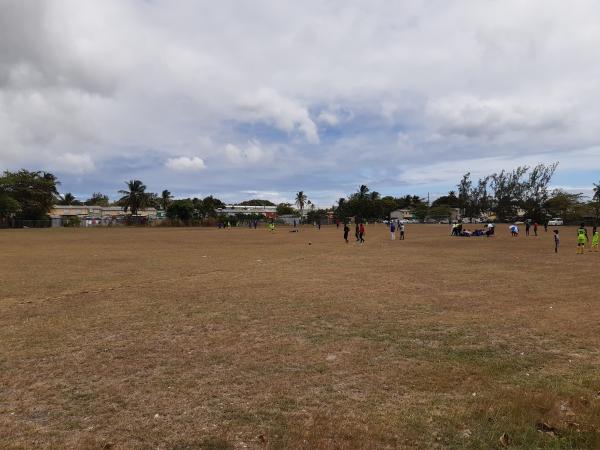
[(252, 153), (472, 116), (73, 163), (284, 113), (185, 164), (337, 90), (328, 118)]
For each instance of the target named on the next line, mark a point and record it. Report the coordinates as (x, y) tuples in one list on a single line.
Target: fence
[(22, 223)]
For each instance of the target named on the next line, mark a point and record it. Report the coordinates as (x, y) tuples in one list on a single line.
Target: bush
[(71, 222)]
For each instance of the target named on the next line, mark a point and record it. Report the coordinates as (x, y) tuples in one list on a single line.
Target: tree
[(34, 192), (479, 199), (388, 204), (208, 206), (301, 200), (97, 199), (134, 197), (285, 209), (68, 199), (464, 194), (421, 212), (9, 207), (165, 199), (566, 205), (535, 191), (362, 191), (439, 212), (595, 203), (450, 200), (507, 189), (257, 202), (152, 200), (181, 210)]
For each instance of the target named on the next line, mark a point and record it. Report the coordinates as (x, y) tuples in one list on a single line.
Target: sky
[(261, 99)]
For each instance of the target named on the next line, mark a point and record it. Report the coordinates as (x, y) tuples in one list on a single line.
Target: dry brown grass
[(214, 339)]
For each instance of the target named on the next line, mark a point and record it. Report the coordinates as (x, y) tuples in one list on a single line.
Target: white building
[(232, 210)]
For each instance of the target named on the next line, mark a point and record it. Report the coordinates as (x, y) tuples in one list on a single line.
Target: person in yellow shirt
[(595, 240), (582, 239)]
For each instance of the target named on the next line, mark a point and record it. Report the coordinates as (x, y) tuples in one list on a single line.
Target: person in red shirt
[(361, 233)]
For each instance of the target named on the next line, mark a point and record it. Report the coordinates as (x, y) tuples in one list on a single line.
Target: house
[(402, 214), (95, 215)]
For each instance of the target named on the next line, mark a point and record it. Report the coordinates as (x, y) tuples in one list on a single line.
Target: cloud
[(73, 163), (283, 96), (472, 116), (185, 164), (282, 112), (252, 153), (328, 118)]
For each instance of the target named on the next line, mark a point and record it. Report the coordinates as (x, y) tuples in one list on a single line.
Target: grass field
[(175, 338)]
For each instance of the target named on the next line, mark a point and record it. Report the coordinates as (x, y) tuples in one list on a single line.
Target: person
[(527, 226), (393, 230), (337, 223), (514, 230), (595, 240), (361, 233), (294, 223), (454, 230), (319, 223), (582, 239), (490, 230), (346, 231), (357, 230), (546, 226), (401, 231), (535, 227), (556, 241)]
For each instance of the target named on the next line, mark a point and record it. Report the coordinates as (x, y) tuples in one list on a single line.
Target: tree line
[(31, 195), (524, 193)]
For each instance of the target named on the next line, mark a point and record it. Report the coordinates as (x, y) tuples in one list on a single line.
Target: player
[(361, 233), (392, 230), (556, 241), (346, 231), (595, 240), (582, 239)]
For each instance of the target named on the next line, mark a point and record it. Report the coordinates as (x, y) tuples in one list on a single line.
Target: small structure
[(402, 214), (95, 215), (269, 212)]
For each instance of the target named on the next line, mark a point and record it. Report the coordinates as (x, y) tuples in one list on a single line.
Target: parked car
[(555, 222)]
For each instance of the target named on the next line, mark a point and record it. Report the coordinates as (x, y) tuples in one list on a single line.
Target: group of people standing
[(582, 239), (400, 227), (360, 230)]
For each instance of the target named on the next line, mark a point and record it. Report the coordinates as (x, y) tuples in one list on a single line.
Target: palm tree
[(68, 199), (301, 200), (362, 191), (135, 197), (165, 199)]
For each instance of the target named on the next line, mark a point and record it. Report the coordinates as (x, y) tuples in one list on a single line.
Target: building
[(402, 214), (96, 215), (269, 212)]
